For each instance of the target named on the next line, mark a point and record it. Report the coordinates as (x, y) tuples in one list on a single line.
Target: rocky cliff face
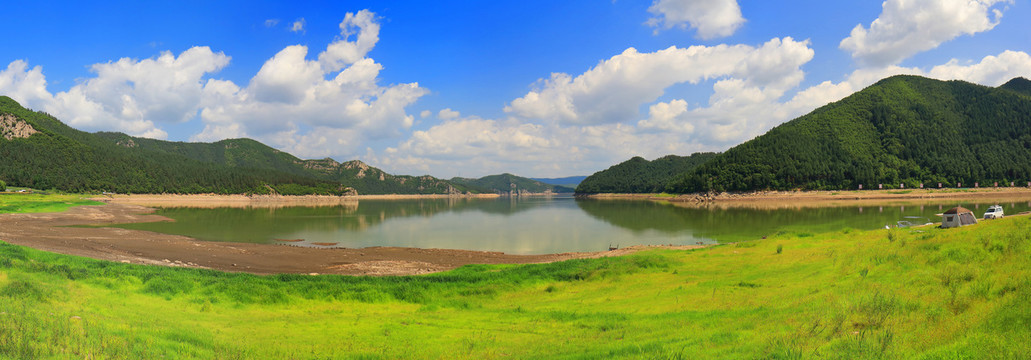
[(12, 127), (326, 165)]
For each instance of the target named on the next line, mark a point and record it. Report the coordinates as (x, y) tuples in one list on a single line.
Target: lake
[(530, 225)]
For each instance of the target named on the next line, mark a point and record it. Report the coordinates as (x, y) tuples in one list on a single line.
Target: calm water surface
[(528, 225)]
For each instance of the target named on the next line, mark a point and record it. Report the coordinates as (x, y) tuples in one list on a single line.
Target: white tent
[(958, 216)]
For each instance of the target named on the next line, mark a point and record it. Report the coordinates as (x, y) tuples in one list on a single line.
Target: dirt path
[(49, 232)]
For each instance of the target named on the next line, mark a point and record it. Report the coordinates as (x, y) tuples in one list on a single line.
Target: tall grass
[(38, 203), (952, 293)]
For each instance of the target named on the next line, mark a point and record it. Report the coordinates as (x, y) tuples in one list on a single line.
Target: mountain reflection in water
[(533, 225)]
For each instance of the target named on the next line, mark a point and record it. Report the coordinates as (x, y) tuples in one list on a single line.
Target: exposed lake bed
[(430, 234)]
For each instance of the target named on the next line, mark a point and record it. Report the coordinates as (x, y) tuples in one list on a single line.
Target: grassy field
[(928, 293), (39, 203)]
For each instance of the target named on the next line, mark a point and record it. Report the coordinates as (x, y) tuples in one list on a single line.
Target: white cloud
[(477, 147), (991, 70), (311, 107), (298, 25), (908, 27), (364, 26), (286, 77), (710, 18), (613, 91), (314, 108), (271, 22), (128, 95), (447, 114), (739, 108), (668, 116), (425, 114), (26, 86)]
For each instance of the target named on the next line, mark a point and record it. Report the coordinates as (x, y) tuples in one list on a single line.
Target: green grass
[(955, 293), (40, 203)]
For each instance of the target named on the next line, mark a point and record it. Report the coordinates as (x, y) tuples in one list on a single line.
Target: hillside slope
[(638, 175), (247, 153), (505, 183), (40, 151), (902, 130)]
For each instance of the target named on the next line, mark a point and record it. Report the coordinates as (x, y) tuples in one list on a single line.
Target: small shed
[(958, 216)]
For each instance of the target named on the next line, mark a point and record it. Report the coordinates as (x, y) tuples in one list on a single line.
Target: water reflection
[(529, 225)]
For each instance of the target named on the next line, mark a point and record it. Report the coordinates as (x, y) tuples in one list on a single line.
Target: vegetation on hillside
[(505, 183), (247, 153), (932, 293), (60, 157), (638, 175), (903, 130)]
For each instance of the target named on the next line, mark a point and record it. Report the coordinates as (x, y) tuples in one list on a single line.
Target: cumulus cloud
[(992, 70), (908, 27), (613, 90), (364, 27), (710, 18), (477, 147), (578, 124), (127, 95), (298, 25), (312, 107), (301, 105), (26, 86), (739, 108), (447, 114)]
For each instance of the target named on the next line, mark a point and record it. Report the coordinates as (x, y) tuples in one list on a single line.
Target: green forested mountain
[(901, 130), (247, 153), (39, 151), (1019, 85), (638, 175), (505, 182)]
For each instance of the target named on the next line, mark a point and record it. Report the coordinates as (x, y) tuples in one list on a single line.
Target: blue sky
[(536, 88)]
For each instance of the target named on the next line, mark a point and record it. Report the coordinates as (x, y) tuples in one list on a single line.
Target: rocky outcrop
[(323, 165), (356, 164), (129, 143), (12, 128)]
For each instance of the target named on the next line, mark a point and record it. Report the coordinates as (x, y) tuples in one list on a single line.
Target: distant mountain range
[(569, 181), (39, 151), (900, 131), (507, 183)]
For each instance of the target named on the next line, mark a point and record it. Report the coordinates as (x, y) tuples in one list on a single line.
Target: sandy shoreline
[(51, 232), (804, 199), (264, 201)]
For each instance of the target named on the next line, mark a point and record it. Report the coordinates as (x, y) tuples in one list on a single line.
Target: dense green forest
[(247, 153), (60, 157), (901, 131), (504, 183), (638, 175)]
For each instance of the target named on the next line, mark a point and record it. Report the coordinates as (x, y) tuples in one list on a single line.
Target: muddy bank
[(49, 232), (808, 199), (264, 201)]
